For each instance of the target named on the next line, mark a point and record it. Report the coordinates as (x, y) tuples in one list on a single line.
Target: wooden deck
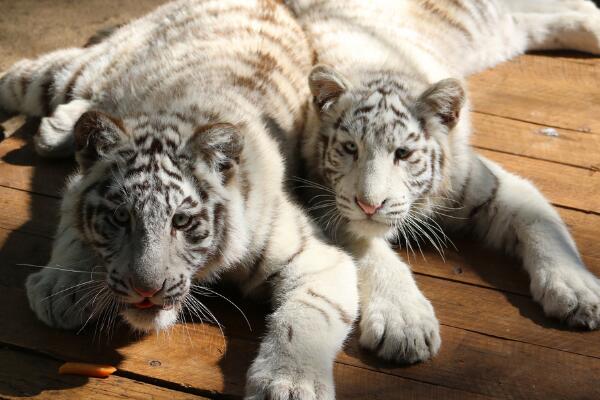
[(496, 341)]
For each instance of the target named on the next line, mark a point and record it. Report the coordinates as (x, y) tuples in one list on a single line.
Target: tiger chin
[(157, 318)]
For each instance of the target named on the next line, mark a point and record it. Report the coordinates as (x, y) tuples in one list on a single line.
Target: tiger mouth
[(148, 306)]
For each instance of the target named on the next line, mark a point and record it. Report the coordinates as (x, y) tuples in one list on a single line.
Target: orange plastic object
[(86, 369)]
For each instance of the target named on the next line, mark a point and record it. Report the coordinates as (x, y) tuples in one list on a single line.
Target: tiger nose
[(146, 291), (367, 208)]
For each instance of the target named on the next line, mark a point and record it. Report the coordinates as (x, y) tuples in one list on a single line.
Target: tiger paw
[(404, 332), (275, 377), (55, 137), (59, 298), (572, 295)]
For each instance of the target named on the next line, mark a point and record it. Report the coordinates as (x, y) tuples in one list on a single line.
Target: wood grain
[(508, 369), (193, 357), (28, 212), (526, 139), (21, 168), (543, 90), (36, 377), (562, 184), (32, 27)]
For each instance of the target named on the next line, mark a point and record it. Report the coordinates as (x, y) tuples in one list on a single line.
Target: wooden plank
[(28, 212), (21, 168), (194, 357), (29, 30), (504, 315), (20, 248), (36, 377), (543, 90), (468, 364), (526, 139), (569, 56), (495, 367), (562, 184), (364, 383)]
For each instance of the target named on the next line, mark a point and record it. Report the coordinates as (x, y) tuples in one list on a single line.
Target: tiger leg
[(551, 24), (32, 87), (43, 88), (55, 137), (315, 294), (65, 293), (528, 226), (397, 321)]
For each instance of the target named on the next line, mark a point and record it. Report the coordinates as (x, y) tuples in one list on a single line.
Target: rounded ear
[(219, 144), (443, 100), (326, 85), (96, 134)]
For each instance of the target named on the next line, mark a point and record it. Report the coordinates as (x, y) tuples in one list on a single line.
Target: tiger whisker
[(435, 226), (74, 287), (433, 238), (59, 269), (93, 300), (202, 288), (197, 303)]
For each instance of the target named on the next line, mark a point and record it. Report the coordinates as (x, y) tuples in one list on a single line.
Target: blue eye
[(350, 147)]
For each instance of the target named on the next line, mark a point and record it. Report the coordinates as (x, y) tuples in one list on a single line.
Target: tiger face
[(153, 207), (382, 150)]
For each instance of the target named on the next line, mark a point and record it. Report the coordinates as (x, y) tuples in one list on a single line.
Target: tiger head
[(383, 146), (152, 203)]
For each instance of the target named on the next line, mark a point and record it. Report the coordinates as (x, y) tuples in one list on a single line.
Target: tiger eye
[(350, 147), (402, 153), (181, 221), (121, 216)]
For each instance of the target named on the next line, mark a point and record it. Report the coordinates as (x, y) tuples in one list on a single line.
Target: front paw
[(572, 295), (276, 377), (401, 330), (59, 299)]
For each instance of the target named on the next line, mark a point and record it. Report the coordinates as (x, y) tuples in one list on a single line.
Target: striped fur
[(388, 134), (180, 122)]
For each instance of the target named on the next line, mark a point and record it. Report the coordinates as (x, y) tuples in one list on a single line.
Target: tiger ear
[(219, 144), (326, 85), (96, 134), (442, 100)]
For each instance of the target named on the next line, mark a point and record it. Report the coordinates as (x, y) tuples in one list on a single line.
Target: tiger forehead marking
[(380, 115)]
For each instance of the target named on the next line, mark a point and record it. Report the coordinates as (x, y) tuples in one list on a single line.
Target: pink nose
[(367, 208), (146, 292)]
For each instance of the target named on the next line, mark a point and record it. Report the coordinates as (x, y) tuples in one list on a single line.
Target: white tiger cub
[(176, 120), (389, 136)]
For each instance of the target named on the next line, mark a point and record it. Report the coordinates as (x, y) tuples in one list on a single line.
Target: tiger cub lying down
[(173, 119), (389, 138)]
